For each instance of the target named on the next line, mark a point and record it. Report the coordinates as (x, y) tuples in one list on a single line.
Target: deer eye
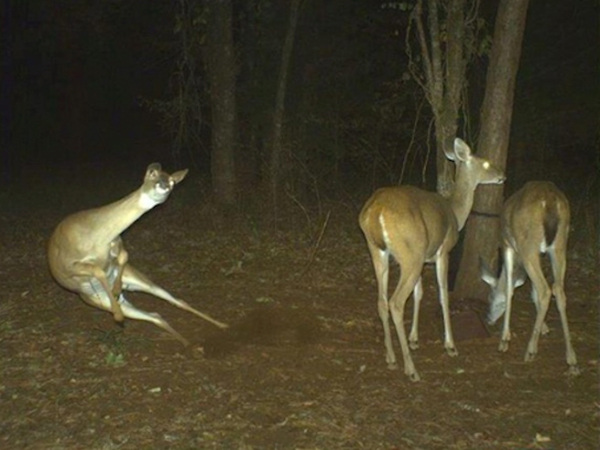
[(486, 165)]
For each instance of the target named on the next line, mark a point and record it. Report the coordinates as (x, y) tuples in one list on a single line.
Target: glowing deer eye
[(486, 165)]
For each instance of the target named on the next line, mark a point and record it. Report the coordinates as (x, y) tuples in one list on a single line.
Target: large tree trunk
[(276, 140), (483, 227), (220, 59)]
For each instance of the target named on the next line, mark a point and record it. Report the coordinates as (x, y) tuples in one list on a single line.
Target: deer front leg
[(120, 256), (134, 280), (509, 263), (93, 283), (441, 267)]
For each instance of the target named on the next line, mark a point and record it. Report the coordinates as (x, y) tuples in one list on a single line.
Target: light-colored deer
[(86, 253), (535, 220), (418, 227)]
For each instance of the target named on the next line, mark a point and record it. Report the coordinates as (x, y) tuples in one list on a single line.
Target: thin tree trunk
[(443, 87), (455, 80), (220, 58), (483, 227), (278, 115)]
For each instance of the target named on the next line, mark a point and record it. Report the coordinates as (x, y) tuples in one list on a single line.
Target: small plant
[(114, 359), (113, 343)]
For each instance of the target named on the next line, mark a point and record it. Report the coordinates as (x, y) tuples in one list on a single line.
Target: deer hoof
[(414, 377), (545, 330), (452, 351)]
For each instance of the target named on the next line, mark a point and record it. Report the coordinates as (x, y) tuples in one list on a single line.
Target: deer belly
[(93, 291)]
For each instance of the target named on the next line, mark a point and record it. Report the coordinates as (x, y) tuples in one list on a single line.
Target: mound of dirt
[(266, 325)]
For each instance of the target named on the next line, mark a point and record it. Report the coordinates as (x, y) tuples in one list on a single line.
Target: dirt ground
[(302, 366)]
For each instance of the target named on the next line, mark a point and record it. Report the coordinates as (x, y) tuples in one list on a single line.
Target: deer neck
[(111, 220), (461, 199)]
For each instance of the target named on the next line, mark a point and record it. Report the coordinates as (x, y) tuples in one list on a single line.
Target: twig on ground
[(316, 246)]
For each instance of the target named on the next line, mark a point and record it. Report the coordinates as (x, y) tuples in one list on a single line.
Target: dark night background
[(86, 87), (77, 78)]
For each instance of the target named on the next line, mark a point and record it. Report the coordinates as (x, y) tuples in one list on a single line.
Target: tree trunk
[(483, 227), (455, 80), (278, 114), (444, 76), (221, 68)]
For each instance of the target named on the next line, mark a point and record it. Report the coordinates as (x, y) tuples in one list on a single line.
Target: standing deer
[(418, 227), (534, 220), (86, 253)]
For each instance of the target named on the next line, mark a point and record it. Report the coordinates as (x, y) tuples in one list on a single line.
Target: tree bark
[(278, 114), (221, 68), (483, 227), (443, 87)]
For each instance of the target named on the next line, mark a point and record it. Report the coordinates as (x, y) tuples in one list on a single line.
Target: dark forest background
[(92, 85)]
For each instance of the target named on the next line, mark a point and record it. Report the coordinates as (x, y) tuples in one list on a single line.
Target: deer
[(416, 226), (86, 254), (535, 220)]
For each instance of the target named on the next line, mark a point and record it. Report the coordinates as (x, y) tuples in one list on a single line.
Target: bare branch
[(417, 17)]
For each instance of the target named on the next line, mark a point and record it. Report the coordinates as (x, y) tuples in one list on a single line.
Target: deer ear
[(461, 150), (486, 273), (520, 277), (179, 175), (153, 171)]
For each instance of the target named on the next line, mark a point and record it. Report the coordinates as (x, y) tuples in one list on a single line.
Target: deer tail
[(551, 222)]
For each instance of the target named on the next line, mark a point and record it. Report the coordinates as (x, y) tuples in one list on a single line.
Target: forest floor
[(302, 366)]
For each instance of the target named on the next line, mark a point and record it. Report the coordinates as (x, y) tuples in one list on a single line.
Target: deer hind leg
[(536, 275), (380, 260), (95, 289), (441, 267), (409, 276), (536, 302), (413, 337), (134, 280), (132, 312), (558, 259), (100, 298)]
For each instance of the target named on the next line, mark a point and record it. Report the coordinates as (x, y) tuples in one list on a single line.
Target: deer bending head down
[(534, 220), (418, 227), (86, 253)]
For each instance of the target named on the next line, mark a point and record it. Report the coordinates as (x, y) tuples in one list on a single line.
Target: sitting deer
[(86, 253), (418, 227), (534, 220)]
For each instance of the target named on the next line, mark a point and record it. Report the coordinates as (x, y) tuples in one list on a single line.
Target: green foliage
[(115, 359), (113, 344)]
